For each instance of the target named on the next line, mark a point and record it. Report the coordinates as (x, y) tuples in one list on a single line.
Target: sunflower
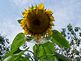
[(37, 22)]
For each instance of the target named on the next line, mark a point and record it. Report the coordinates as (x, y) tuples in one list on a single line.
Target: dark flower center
[(36, 22)]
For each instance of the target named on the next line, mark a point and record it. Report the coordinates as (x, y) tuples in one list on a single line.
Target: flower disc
[(38, 23)]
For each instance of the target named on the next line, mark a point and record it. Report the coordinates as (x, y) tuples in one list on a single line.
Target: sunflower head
[(37, 21)]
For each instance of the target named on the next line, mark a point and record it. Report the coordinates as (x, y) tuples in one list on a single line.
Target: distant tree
[(3, 46), (73, 35)]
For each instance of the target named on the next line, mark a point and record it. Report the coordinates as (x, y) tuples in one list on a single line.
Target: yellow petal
[(25, 32), (48, 11), (51, 23), (50, 31), (22, 21), (41, 6), (25, 13), (52, 18), (32, 7)]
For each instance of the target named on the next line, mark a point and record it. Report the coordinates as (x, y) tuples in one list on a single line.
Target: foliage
[(73, 35), (3, 46), (59, 39), (41, 52)]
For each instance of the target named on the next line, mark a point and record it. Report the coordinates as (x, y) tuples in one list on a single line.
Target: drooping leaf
[(59, 39), (44, 51)]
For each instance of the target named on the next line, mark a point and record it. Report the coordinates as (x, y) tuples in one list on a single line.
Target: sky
[(64, 11)]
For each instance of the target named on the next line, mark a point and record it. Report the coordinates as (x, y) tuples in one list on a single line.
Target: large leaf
[(44, 51), (17, 42), (59, 39), (18, 58)]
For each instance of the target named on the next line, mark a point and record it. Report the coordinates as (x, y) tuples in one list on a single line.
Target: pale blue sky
[(65, 12)]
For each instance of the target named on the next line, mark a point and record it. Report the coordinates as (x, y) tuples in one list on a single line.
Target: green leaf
[(44, 51), (59, 39), (17, 51), (17, 42)]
